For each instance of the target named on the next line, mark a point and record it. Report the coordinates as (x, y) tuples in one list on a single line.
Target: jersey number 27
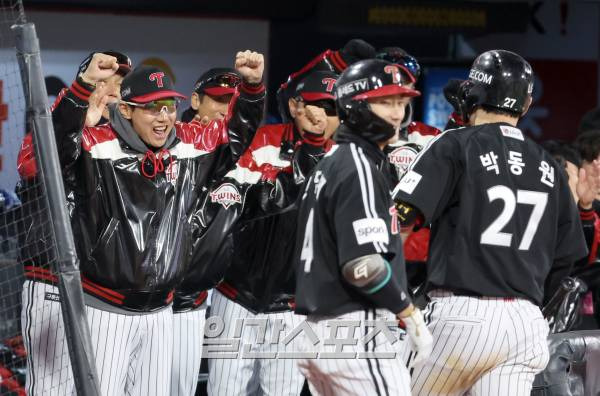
[(493, 235)]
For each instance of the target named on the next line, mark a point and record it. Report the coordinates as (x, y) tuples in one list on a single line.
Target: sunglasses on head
[(157, 106), (407, 61), (222, 80), (325, 104)]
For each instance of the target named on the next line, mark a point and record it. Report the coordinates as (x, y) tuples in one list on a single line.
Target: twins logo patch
[(226, 194), (402, 157)]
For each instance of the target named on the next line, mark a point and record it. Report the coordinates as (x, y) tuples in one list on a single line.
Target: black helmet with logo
[(499, 79), (366, 79), (401, 57)]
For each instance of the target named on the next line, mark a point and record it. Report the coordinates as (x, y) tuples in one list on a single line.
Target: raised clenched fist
[(251, 66), (311, 118), (101, 67)]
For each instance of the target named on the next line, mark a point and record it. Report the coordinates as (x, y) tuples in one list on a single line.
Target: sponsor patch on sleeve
[(409, 182), (370, 230), (512, 132)]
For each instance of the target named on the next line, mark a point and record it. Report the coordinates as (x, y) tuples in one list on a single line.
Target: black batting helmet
[(499, 79), (366, 79), (401, 57)]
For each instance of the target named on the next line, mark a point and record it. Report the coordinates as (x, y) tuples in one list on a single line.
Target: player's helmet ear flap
[(366, 79), (469, 95), (500, 79), (408, 116)]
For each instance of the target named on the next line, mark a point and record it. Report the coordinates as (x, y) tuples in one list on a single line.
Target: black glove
[(357, 49)]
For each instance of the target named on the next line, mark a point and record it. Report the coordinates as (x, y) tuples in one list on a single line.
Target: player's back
[(508, 214), (344, 214), (319, 288)]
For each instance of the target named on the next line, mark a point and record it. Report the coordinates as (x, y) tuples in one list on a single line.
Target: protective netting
[(26, 237)]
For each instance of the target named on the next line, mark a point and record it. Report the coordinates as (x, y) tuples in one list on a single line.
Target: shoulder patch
[(409, 182), (370, 230), (226, 194)]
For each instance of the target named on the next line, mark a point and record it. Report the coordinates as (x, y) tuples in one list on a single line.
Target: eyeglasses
[(157, 106), (325, 104), (227, 80)]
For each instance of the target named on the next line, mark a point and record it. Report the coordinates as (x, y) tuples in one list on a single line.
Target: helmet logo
[(394, 71), (329, 82), (480, 76), (352, 87)]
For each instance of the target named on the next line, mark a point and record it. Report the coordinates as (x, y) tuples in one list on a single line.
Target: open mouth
[(160, 131)]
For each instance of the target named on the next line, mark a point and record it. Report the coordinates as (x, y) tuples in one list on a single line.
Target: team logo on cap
[(402, 157), (158, 77), (226, 194), (328, 81)]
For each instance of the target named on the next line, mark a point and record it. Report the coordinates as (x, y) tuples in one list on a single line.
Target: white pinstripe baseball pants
[(357, 375), (188, 335), (252, 376), (133, 352), (482, 346)]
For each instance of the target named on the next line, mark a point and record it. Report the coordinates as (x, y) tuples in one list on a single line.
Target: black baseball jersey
[(501, 212), (346, 212)]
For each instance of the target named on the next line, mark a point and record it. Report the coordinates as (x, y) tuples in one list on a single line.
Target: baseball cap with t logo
[(146, 84)]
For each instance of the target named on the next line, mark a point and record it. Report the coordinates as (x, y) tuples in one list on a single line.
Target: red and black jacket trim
[(81, 89), (591, 230), (132, 301), (252, 89)]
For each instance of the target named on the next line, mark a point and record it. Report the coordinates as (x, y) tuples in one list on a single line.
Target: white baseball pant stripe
[(188, 335), (133, 352), (356, 375), (482, 346), (247, 376)]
